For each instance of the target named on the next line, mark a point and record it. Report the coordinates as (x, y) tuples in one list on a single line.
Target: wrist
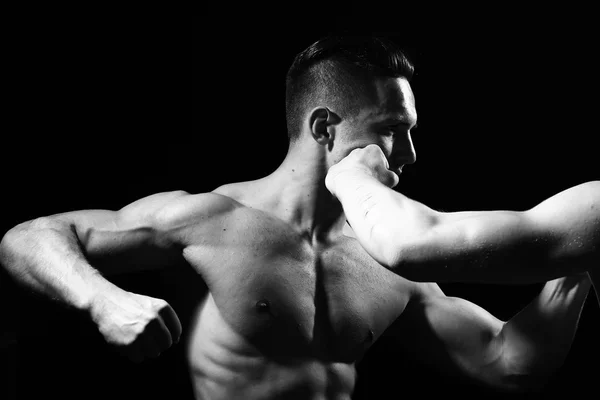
[(341, 182), (98, 292)]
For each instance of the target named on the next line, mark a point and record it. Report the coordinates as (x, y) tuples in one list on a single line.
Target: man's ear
[(322, 123)]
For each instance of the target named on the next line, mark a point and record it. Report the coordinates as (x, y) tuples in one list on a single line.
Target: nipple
[(263, 306), (370, 336)]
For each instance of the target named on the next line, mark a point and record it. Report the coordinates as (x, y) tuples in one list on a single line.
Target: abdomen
[(224, 365)]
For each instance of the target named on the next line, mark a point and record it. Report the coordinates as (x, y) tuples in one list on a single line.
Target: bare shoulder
[(181, 208), (154, 211), (249, 193)]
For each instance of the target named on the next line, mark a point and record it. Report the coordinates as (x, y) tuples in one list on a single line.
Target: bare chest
[(285, 298)]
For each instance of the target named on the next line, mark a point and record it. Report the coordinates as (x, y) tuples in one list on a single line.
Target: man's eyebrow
[(399, 121)]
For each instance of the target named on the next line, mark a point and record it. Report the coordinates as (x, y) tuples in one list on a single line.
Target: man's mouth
[(396, 170)]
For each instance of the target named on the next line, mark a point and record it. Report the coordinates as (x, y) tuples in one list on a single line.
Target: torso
[(284, 318)]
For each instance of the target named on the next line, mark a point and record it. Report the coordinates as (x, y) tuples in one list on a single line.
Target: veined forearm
[(46, 257)]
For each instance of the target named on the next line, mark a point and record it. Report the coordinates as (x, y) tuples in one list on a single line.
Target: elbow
[(520, 376), (515, 381), (5, 245), (10, 240), (8, 248), (17, 240)]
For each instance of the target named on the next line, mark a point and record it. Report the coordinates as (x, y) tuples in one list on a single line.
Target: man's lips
[(396, 170)]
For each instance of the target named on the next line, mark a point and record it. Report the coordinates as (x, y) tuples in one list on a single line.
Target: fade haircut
[(336, 71)]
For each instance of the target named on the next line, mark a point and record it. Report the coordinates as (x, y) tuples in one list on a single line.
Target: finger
[(172, 322), (160, 333), (150, 347), (374, 148)]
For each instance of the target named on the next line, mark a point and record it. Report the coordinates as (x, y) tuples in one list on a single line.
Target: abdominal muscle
[(223, 365)]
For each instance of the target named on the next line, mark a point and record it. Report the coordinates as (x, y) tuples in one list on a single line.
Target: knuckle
[(160, 304), (126, 342)]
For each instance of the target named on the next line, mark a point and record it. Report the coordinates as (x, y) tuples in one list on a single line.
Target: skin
[(289, 301), (559, 236)]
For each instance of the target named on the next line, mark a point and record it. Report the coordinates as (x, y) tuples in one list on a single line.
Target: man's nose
[(404, 151)]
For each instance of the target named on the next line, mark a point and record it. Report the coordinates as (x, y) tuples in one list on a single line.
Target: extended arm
[(518, 355), (559, 236)]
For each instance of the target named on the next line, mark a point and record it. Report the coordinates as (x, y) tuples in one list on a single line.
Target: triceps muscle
[(129, 250)]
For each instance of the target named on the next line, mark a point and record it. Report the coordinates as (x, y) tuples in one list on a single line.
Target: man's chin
[(397, 171)]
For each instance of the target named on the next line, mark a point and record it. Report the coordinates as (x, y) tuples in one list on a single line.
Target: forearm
[(537, 340), (45, 256), (374, 211)]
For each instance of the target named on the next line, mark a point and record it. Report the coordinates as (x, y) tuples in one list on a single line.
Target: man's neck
[(300, 197)]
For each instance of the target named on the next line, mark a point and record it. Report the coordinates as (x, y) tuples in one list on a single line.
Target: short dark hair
[(336, 69)]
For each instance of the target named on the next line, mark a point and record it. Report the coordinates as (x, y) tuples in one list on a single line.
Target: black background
[(99, 116)]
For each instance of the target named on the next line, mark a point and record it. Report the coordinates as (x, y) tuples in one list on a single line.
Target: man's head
[(349, 91)]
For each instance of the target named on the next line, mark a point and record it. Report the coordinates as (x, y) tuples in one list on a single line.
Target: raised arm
[(464, 340), (64, 256), (560, 236)]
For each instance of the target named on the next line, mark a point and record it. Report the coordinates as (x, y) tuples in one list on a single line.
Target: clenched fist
[(366, 161), (138, 326)]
